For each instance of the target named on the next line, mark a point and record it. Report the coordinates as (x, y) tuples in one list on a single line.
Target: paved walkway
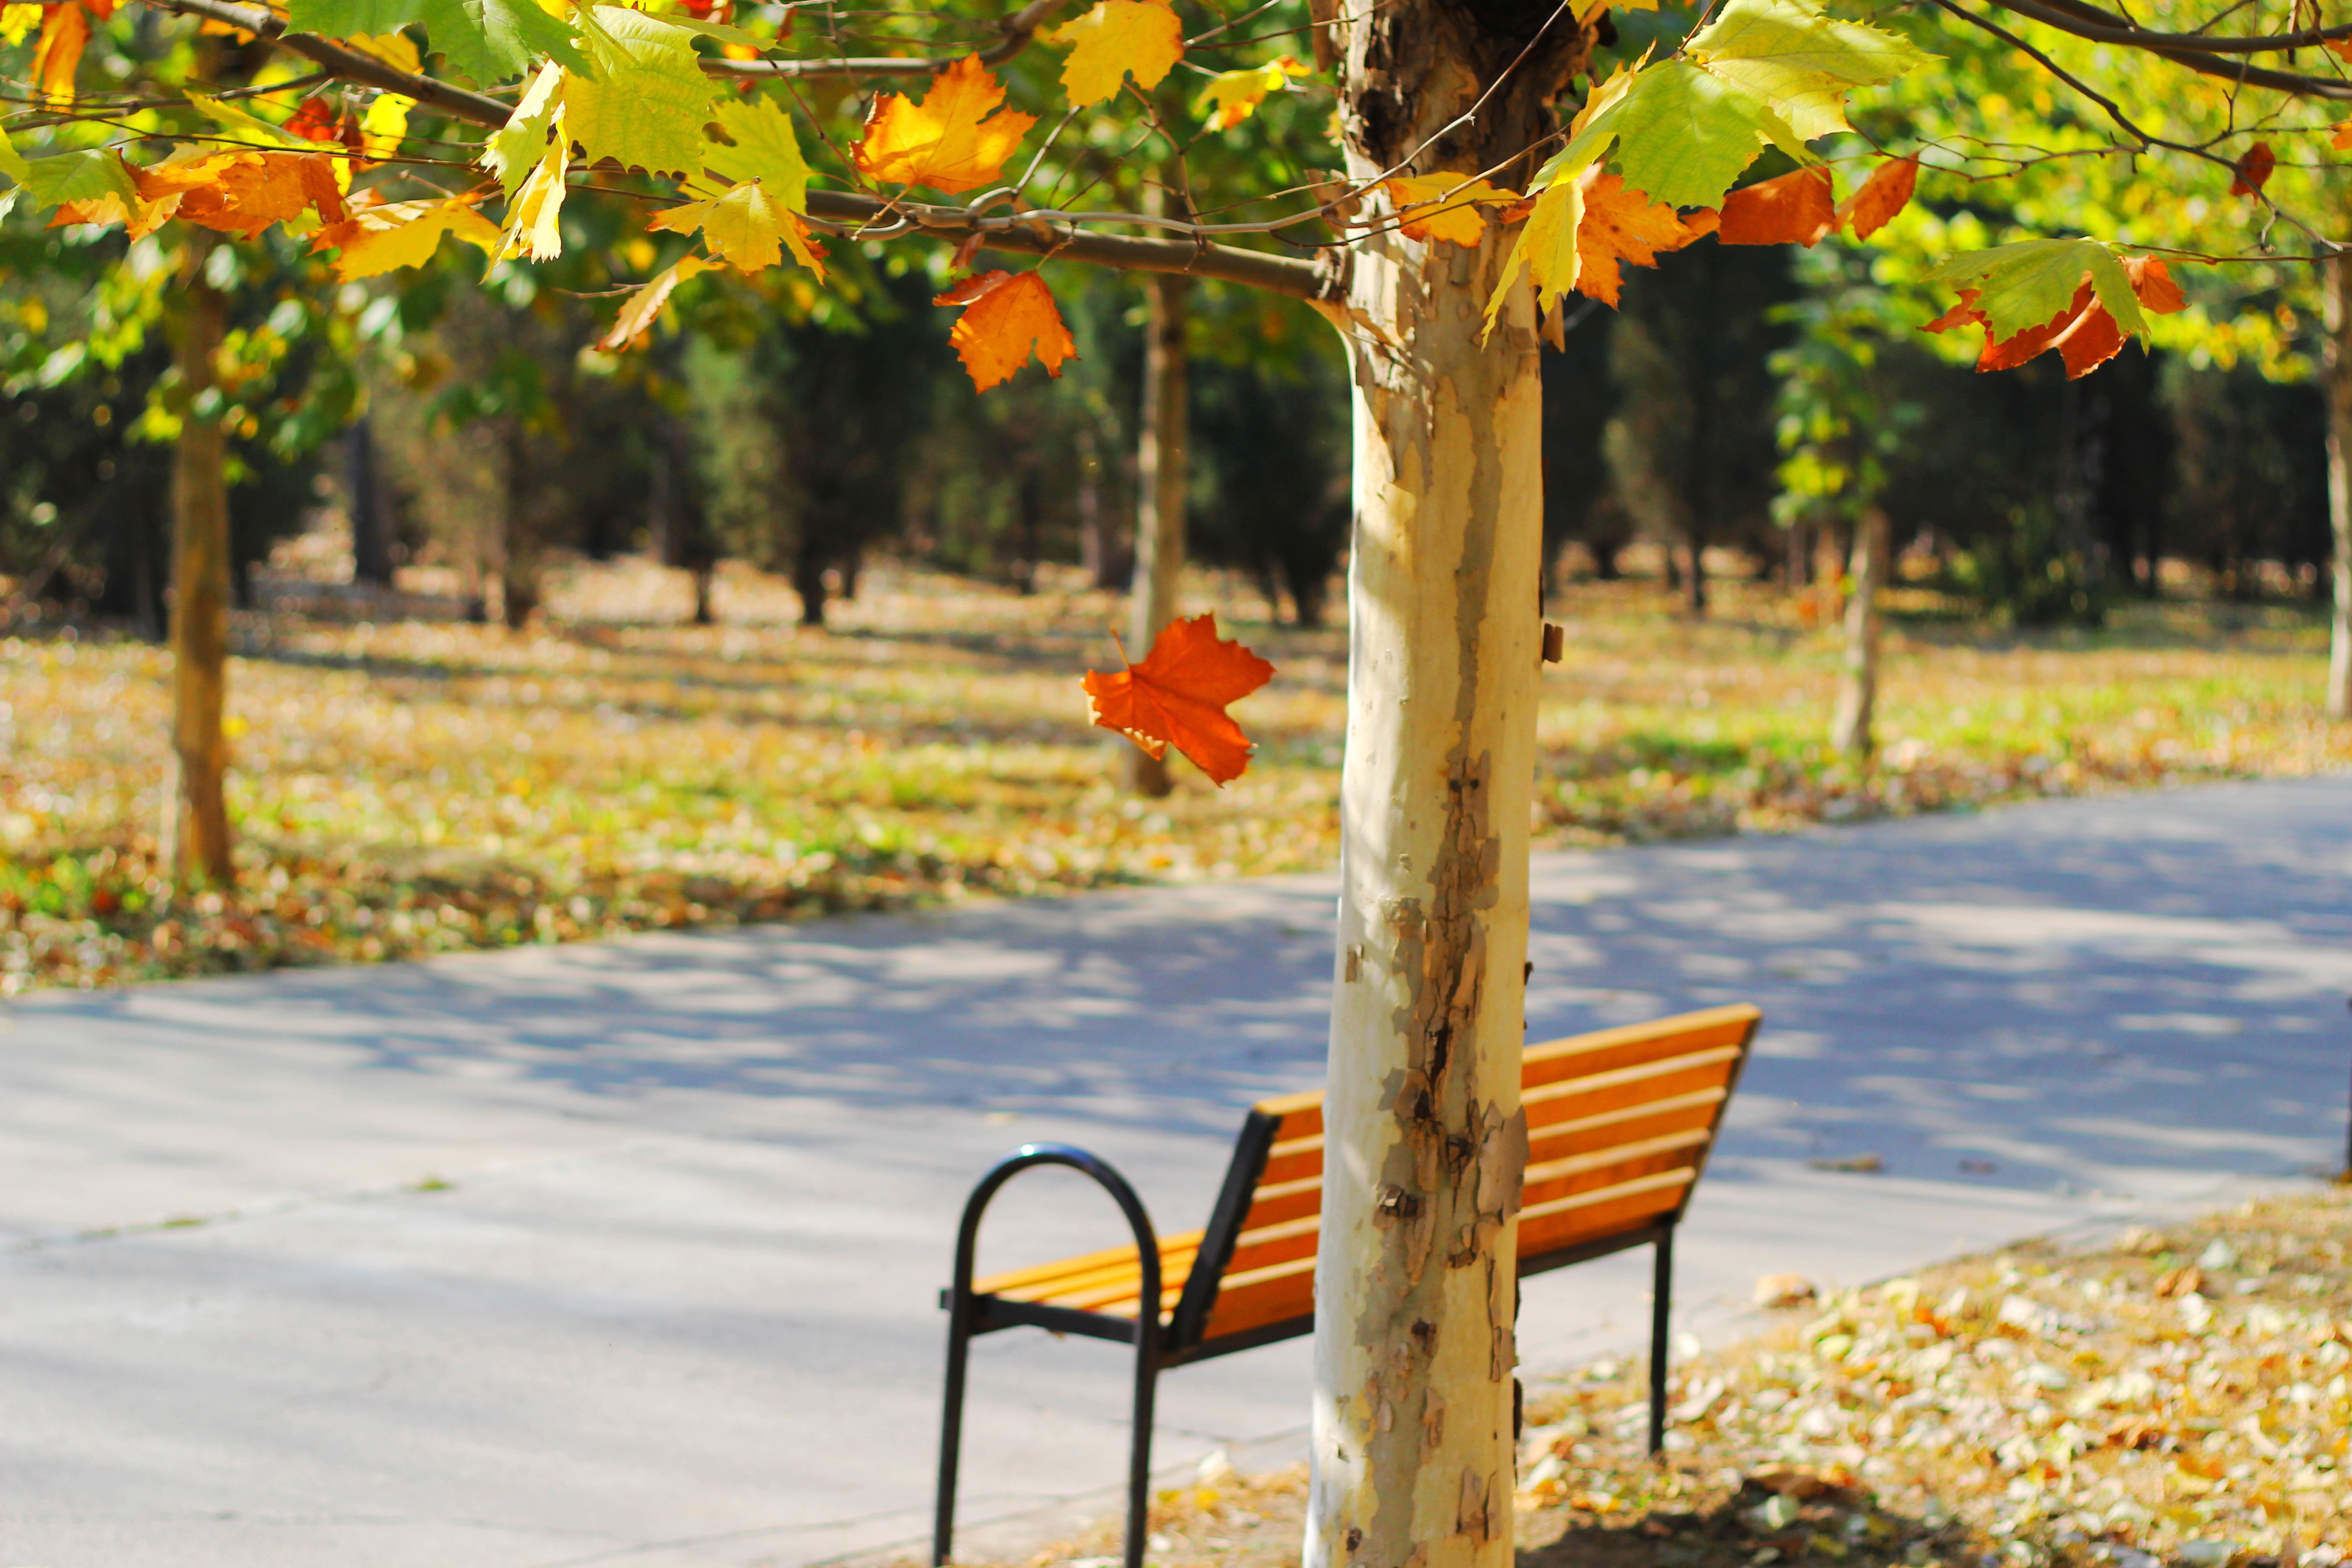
[(673, 1304)]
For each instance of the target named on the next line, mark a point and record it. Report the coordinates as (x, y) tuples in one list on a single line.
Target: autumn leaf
[(1796, 208), (516, 148), (17, 21), (1544, 252), (65, 32), (1881, 196), (1006, 316), (313, 120), (384, 124), (1445, 205), (948, 142), (1177, 696), (245, 193), (646, 104), (2253, 170), (1619, 225), (1232, 97), (383, 238), (764, 147), (1115, 40), (2342, 140), (532, 226), (2084, 331), (746, 225), (644, 307)]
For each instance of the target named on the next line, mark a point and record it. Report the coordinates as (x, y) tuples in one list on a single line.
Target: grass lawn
[(406, 788), (2178, 1396)]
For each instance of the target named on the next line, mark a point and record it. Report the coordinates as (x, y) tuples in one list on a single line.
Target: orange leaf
[(948, 142), (314, 120), (2084, 333), (1621, 225), (245, 193), (64, 32), (2253, 170), (2342, 140), (1881, 196), (2152, 285), (1006, 316), (1795, 209), (1445, 205), (1177, 696)]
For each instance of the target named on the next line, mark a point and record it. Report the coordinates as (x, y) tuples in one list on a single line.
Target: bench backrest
[(1619, 1125)]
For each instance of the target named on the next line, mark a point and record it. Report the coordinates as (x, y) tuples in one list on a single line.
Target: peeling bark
[(1424, 1142)]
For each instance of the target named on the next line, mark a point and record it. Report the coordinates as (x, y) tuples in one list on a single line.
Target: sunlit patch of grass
[(410, 788)]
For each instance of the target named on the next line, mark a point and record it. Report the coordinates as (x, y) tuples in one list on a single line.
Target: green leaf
[(1799, 61), (79, 177), (2028, 283), (1684, 134), (649, 101), (487, 40), (766, 149), (515, 147), (12, 163)]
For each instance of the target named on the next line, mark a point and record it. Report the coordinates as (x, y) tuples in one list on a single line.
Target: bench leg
[(1661, 1303), (1138, 1461), (952, 1421)]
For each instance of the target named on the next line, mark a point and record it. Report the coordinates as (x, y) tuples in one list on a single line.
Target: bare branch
[(2086, 21), (1018, 29)]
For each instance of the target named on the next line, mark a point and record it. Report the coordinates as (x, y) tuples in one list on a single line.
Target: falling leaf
[(1177, 696), (1619, 225), (747, 226), (1144, 38), (1006, 316), (2084, 331), (383, 238), (2253, 170), (1796, 208), (1232, 97), (1884, 194), (1445, 205), (948, 142), (64, 34), (646, 104), (644, 307)]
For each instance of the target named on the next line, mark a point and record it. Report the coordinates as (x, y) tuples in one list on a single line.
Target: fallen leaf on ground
[(1177, 696), (1784, 1290)]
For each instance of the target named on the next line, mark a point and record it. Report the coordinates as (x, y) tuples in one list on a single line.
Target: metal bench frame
[(1180, 1342)]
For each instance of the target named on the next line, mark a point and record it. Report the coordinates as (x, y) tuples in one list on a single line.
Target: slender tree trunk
[(364, 499), (1424, 1142), (197, 834), (2339, 481), (1858, 691), (1160, 483), (519, 543)]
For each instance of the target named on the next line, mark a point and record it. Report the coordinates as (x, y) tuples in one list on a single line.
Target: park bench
[(1619, 1125)]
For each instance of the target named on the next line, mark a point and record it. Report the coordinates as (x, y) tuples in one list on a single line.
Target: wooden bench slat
[(1275, 1243), (1699, 1102), (1606, 1049), (1263, 1296), (1298, 1159), (1047, 1276), (1668, 1075)]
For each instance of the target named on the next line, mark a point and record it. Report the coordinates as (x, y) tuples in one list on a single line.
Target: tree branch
[(2087, 21), (348, 65), (1018, 29)]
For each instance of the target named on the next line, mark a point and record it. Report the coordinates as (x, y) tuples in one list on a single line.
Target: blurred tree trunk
[(1858, 689), (196, 810), (518, 540), (1159, 484), (364, 498), (2339, 302)]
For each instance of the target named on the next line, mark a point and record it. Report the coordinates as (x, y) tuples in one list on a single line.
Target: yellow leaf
[(63, 35), (394, 49), (515, 149), (1585, 8), (747, 226), (1232, 97), (11, 162), (944, 142), (383, 238), (1006, 317), (1544, 251), (641, 309), (1445, 205), (765, 148), (17, 21), (244, 193), (648, 106), (532, 229), (385, 124), (1117, 38)]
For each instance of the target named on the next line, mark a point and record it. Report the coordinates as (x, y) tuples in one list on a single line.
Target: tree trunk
[(1160, 483), (364, 499), (1858, 691), (197, 835), (2338, 287), (518, 543), (1424, 1142)]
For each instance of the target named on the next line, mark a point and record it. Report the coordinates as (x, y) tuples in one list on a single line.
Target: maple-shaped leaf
[(1544, 252), (488, 41), (65, 33), (1619, 225), (1796, 208), (646, 104), (385, 237), (245, 193), (1799, 61), (764, 148), (2023, 285), (92, 185), (1115, 40), (950, 141), (644, 307), (1884, 194), (746, 226), (1684, 134), (1177, 696), (2084, 331), (2253, 170), (1006, 317), (516, 148), (1232, 97), (1445, 205)]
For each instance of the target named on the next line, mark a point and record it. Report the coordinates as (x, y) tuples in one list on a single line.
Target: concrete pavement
[(627, 1253)]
